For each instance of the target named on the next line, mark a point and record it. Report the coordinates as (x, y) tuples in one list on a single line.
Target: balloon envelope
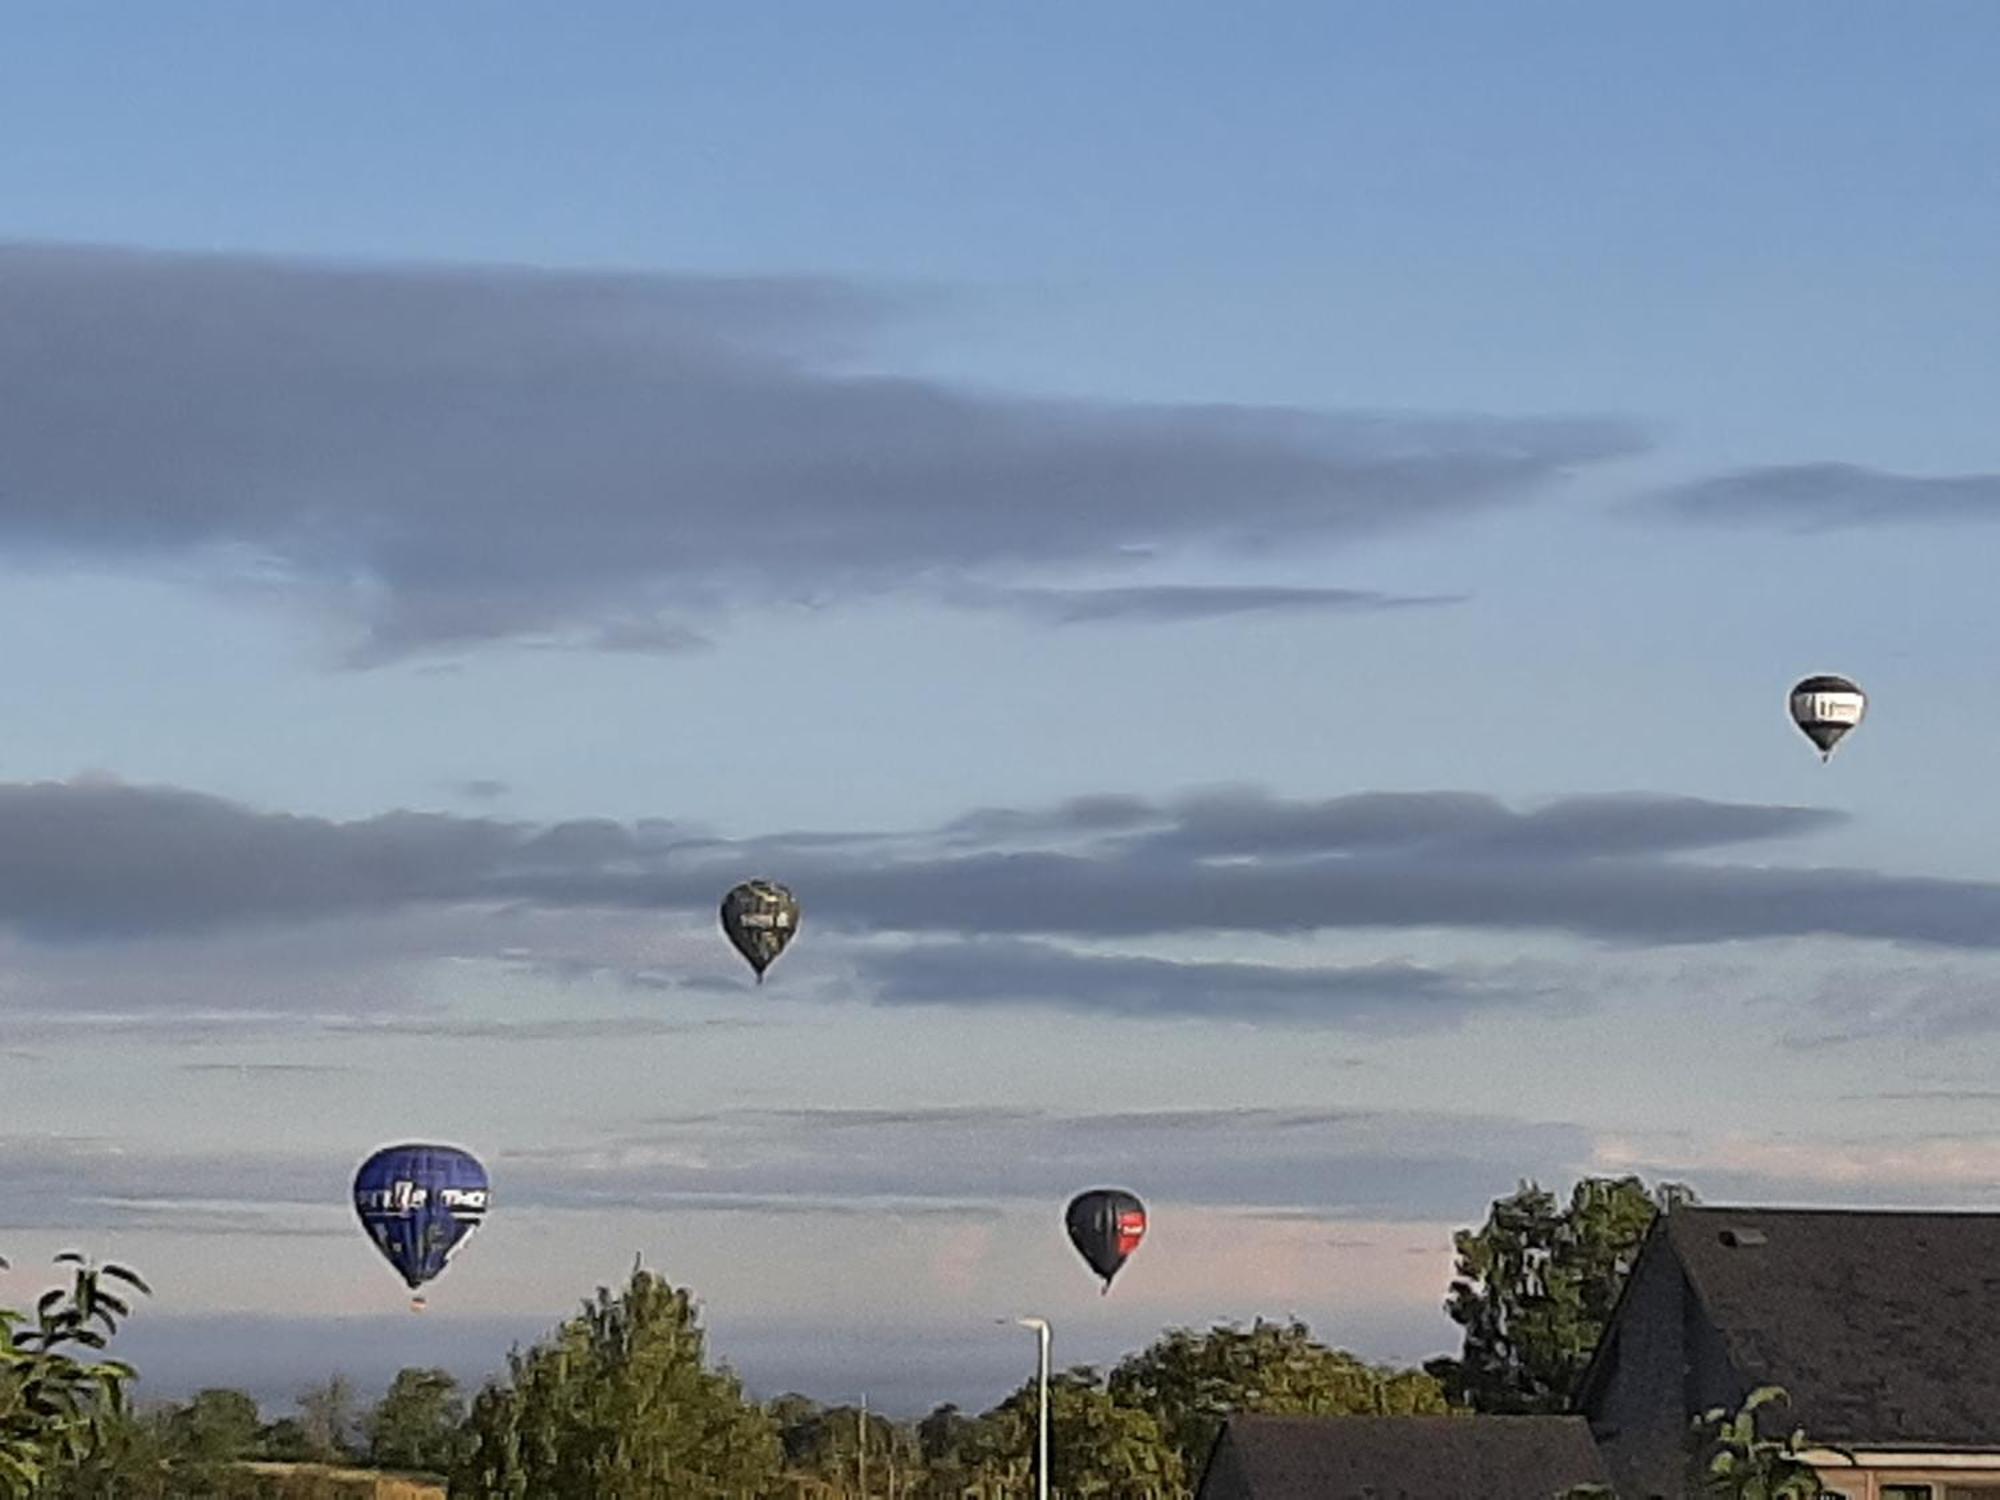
[(1825, 708), (1106, 1226), (418, 1203), (760, 917)]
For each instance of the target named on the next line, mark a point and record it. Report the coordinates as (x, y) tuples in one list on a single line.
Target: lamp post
[(1042, 1372)]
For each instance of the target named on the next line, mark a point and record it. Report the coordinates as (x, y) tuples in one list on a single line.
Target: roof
[(1883, 1327), (1400, 1458)]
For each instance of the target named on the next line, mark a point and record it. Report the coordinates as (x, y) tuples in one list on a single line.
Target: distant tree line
[(622, 1402)]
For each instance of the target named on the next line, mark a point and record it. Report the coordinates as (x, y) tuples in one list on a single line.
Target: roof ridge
[(1692, 1209)]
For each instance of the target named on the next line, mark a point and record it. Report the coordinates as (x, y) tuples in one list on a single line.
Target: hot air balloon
[(1825, 709), (1106, 1225), (760, 917), (419, 1203)]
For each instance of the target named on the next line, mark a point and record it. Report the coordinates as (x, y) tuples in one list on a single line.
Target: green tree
[(826, 1455), (217, 1427), (1188, 1382), (1535, 1286), (415, 1424), (944, 1432), (1734, 1459), (133, 1456), (327, 1414), (55, 1399), (619, 1404), (1099, 1449), (286, 1440), (953, 1450)]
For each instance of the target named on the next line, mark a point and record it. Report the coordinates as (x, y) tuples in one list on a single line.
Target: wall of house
[(1971, 1477)]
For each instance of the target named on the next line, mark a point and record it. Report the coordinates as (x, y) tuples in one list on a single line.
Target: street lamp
[(1042, 1371)]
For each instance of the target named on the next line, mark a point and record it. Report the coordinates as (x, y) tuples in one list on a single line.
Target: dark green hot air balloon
[(760, 917), (1106, 1225)]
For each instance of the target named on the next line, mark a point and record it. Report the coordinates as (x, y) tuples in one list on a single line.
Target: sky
[(1245, 568)]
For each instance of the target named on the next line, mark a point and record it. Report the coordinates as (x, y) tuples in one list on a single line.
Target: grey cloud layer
[(93, 861), (1345, 1163), (1826, 496), (910, 1162), (466, 454), (1331, 1163), (1391, 997), (85, 860), (1170, 602)]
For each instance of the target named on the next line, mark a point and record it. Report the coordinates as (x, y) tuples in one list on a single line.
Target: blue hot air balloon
[(419, 1203)]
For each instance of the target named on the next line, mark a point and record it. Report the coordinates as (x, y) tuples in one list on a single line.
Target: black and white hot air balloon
[(760, 917), (1825, 709)]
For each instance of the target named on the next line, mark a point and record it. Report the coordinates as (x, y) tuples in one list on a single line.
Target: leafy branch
[(52, 1400)]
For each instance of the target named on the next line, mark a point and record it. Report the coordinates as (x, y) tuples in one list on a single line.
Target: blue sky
[(478, 481)]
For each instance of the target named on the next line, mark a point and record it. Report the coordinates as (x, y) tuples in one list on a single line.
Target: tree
[(1535, 1286), (1099, 1449), (132, 1456), (955, 1451), (1188, 1382), (944, 1432), (326, 1412), (619, 1404), (1733, 1459), (54, 1402), (217, 1427), (826, 1456), (286, 1440), (415, 1425), (825, 1453)]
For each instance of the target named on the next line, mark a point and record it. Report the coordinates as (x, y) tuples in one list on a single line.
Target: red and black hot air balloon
[(1106, 1225)]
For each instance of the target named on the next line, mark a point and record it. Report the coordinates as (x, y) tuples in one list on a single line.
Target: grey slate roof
[(1400, 1458), (1883, 1326)]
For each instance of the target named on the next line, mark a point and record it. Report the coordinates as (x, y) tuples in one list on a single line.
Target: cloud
[(1385, 997), (450, 456), (1385, 1164), (567, 1029), (91, 859), (1929, 1002), (1831, 496), (88, 862), (93, 1182), (1931, 1170), (482, 789), (1165, 603), (1360, 1163), (647, 637), (1248, 822)]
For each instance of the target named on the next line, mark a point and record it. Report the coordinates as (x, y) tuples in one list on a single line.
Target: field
[(324, 1482)]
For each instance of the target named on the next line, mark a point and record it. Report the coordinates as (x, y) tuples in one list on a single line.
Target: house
[(1400, 1458), (1884, 1328)]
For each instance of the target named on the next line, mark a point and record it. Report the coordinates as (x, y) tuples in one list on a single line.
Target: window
[(1906, 1492)]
